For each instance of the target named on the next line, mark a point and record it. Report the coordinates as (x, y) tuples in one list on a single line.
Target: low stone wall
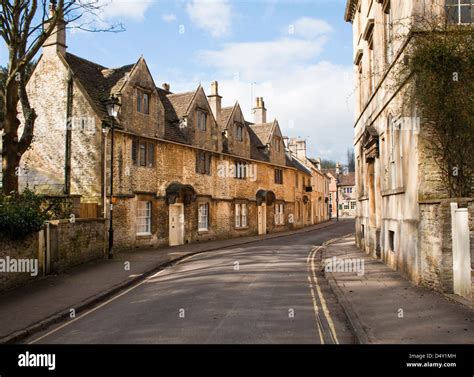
[(10, 253), (76, 243), (70, 244), (435, 242)]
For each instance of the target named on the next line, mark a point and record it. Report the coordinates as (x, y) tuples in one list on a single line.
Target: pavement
[(384, 307), (55, 298)]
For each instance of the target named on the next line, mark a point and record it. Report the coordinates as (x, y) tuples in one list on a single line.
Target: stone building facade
[(185, 169), (398, 185)]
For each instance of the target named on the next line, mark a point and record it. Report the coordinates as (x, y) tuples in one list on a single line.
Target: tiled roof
[(347, 179), (172, 130), (226, 112), (256, 146), (98, 81), (263, 131), (180, 102)]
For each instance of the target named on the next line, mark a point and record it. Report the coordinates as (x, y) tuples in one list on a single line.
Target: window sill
[(143, 235), (203, 231), (241, 228), (395, 191)]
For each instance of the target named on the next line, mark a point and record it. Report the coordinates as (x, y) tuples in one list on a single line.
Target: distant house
[(347, 193)]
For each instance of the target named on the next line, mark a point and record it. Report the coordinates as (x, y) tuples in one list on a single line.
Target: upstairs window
[(459, 11), (143, 153), (143, 101), (279, 176), (388, 31), (201, 120), (240, 170), (239, 132), (203, 162), (277, 143)]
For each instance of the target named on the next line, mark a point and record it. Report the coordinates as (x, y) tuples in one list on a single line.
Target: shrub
[(21, 214)]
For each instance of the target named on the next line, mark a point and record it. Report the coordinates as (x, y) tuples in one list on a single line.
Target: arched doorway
[(178, 195)]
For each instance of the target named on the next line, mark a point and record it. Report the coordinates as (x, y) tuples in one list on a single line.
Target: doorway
[(176, 224), (262, 219)]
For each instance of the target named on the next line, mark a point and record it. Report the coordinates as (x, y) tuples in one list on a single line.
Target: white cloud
[(214, 16), (311, 99), (168, 17), (133, 9), (309, 28), (256, 61)]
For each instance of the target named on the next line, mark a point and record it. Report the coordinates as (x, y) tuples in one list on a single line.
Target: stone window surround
[(203, 200), (279, 204), (140, 99), (199, 113), (239, 135), (241, 201), (136, 157), (142, 199)]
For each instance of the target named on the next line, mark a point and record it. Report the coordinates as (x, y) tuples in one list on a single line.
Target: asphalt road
[(265, 292)]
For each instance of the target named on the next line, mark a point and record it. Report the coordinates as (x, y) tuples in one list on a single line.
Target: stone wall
[(70, 244), (25, 249), (435, 242), (76, 243)]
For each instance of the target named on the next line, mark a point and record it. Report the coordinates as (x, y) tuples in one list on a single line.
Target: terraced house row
[(185, 168)]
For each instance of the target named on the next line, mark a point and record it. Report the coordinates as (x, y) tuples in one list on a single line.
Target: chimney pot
[(166, 86), (214, 88)]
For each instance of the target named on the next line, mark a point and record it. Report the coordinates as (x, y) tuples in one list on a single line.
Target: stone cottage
[(185, 168)]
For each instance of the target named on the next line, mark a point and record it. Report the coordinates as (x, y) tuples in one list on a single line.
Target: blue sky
[(297, 53)]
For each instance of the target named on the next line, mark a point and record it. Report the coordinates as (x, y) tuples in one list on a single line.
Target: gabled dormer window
[(277, 143), (201, 120), (239, 132)]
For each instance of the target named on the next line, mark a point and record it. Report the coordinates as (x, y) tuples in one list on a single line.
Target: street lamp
[(338, 171), (113, 106)]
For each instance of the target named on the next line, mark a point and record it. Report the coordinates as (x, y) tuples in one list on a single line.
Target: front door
[(262, 219), (176, 228)]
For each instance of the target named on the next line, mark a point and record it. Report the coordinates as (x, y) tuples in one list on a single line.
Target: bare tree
[(25, 25)]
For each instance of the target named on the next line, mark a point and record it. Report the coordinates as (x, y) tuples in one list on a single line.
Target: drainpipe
[(67, 166)]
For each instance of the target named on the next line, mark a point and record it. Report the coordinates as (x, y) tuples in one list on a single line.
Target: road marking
[(94, 309), (315, 304), (322, 300)]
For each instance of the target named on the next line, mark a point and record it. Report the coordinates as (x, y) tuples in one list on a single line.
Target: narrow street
[(267, 292)]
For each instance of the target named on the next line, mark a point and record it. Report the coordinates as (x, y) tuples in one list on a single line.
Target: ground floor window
[(279, 214), (346, 206), (143, 218), (353, 205), (203, 217), (240, 215)]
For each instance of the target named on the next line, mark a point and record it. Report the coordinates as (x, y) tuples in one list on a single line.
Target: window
[(139, 100), (362, 230), (143, 218), (241, 215), (277, 143), (151, 155), (353, 205), (459, 11), (203, 217), (296, 180), (202, 117), (203, 162), (388, 31), (143, 153), (239, 132), (279, 176), (240, 170), (372, 72), (346, 206), (391, 240), (143, 102), (146, 104), (279, 214), (361, 85)]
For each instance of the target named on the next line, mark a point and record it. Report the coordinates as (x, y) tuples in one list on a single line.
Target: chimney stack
[(215, 101), (259, 111), (56, 43), (298, 148), (166, 86)]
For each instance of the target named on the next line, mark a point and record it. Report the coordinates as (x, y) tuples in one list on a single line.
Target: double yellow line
[(317, 296)]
